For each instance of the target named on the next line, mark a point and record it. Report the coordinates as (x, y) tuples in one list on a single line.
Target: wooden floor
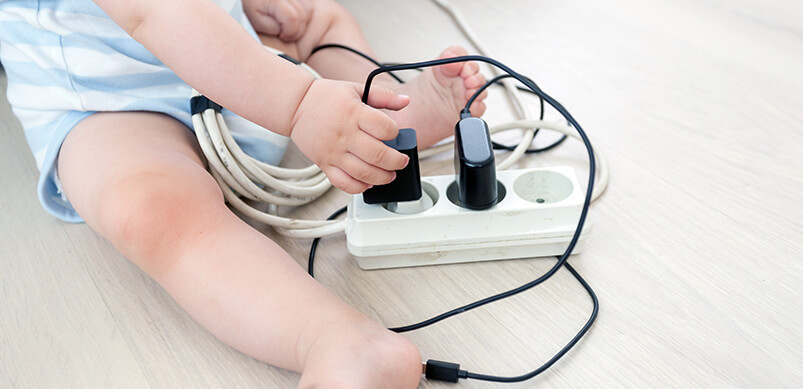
[(696, 251)]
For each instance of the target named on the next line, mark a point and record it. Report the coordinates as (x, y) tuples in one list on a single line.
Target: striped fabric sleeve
[(67, 59)]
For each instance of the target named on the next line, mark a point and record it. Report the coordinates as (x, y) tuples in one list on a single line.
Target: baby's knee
[(154, 210)]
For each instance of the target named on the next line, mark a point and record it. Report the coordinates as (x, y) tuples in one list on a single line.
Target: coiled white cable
[(240, 175)]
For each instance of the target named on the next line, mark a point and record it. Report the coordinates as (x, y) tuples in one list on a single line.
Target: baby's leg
[(138, 180), (437, 95)]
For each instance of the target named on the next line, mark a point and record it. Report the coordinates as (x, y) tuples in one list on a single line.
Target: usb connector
[(443, 371)]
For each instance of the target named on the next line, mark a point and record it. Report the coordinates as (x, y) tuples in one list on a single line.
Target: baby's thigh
[(129, 172)]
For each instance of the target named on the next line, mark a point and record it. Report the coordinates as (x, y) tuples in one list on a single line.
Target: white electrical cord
[(240, 175)]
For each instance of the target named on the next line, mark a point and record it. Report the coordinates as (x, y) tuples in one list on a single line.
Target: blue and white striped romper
[(66, 60)]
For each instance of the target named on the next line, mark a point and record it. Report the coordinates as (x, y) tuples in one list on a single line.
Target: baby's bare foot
[(361, 355), (437, 96)]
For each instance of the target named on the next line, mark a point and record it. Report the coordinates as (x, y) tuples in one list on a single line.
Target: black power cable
[(497, 81), (355, 51), (314, 246), (449, 371), (564, 350), (453, 369)]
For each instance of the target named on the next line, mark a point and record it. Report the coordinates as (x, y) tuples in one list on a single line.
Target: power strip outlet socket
[(536, 215)]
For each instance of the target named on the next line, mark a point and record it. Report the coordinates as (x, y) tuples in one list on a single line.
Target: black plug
[(407, 184), (443, 371), (475, 166)]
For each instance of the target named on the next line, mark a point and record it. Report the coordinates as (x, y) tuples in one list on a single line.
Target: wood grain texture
[(695, 252)]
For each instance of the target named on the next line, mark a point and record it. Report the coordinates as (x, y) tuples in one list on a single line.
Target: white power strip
[(536, 217)]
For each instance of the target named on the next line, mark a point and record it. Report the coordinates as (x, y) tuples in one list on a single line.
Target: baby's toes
[(477, 108), (469, 69), (471, 92), (474, 81), (452, 69)]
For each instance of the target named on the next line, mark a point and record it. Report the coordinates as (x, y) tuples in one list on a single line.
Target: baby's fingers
[(304, 9), (343, 181), (261, 21), (365, 172), (300, 21), (377, 124), (289, 18), (384, 98), (375, 152)]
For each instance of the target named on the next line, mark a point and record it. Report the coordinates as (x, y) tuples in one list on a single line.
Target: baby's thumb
[(384, 98), (266, 24)]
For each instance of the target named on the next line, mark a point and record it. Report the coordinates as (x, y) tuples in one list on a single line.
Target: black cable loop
[(314, 245), (591, 319), (497, 146), (355, 51)]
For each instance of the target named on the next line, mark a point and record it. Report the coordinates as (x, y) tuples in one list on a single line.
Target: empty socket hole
[(543, 187), (429, 197)]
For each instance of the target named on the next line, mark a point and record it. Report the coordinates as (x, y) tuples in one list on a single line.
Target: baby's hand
[(343, 136), (286, 19)]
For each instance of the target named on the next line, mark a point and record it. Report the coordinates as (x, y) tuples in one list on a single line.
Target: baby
[(102, 92)]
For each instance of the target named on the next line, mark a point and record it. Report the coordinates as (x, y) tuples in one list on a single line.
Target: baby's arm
[(209, 50)]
